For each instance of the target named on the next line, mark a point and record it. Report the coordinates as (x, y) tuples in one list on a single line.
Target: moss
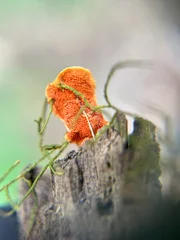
[(144, 152)]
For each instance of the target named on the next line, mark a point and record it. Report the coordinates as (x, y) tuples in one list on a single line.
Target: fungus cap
[(81, 125)]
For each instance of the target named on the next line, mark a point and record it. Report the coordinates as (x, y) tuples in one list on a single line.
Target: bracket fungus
[(74, 101)]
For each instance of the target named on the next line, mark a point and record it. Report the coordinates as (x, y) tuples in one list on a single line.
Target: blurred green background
[(22, 90), (39, 38)]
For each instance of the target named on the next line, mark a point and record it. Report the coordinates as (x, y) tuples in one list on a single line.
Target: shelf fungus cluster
[(74, 101)]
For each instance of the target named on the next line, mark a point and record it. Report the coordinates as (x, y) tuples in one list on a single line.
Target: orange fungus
[(80, 120)]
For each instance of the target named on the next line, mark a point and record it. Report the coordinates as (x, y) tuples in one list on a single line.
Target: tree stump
[(109, 189)]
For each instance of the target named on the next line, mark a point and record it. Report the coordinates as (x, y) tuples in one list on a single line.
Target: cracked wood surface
[(106, 187)]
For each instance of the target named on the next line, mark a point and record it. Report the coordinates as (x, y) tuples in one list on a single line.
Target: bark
[(108, 189)]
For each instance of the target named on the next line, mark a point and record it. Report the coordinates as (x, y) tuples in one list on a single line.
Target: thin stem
[(44, 110), (117, 109), (33, 211), (10, 199), (15, 207), (49, 115), (55, 172), (78, 94), (104, 129), (87, 104), (122, 65), (26, 171), (64, 145), (51, 147), (6, 214), (41, 129), (76, 117), (9, 170)]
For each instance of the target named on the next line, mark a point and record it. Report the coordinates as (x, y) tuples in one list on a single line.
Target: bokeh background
[(39, 38)]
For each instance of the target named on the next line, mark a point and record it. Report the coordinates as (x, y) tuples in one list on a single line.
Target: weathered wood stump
[(109, 189)]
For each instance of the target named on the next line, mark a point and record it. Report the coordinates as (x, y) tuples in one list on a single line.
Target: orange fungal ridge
[(80, 125)]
